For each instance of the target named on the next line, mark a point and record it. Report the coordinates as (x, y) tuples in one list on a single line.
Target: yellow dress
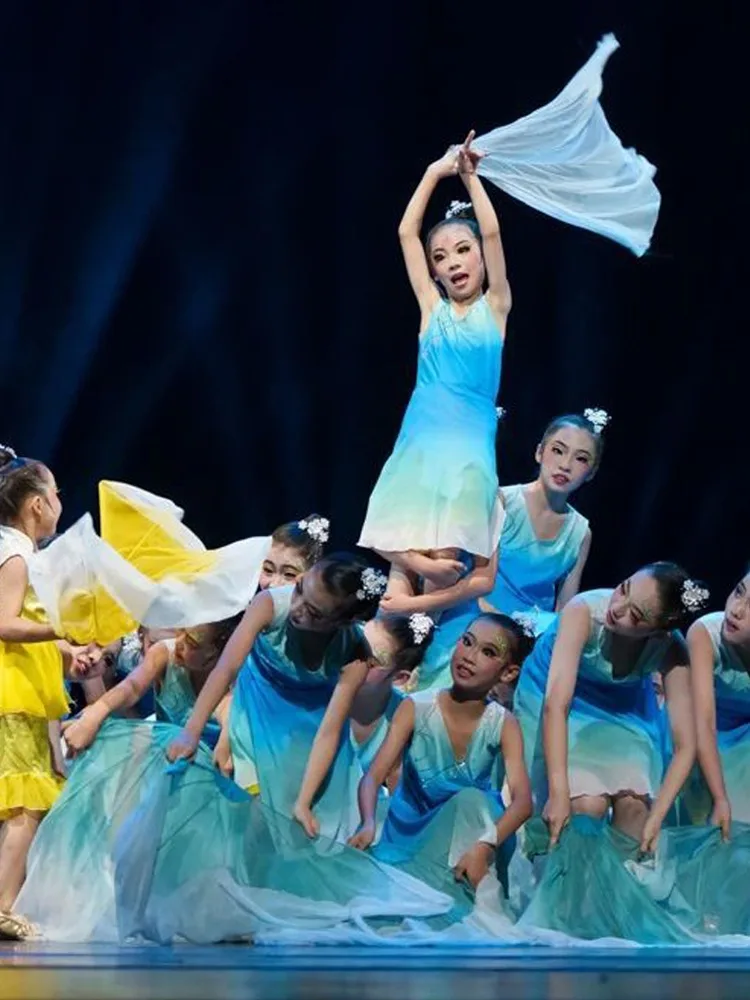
[(32, 692)]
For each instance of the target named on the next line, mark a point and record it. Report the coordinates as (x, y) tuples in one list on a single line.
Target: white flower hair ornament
[(694, 597), (317, 528), (597, 418), (421, 625), (374, 584), (456, 208), (527, 620), (132, 645), (500, 413), (8, 451)]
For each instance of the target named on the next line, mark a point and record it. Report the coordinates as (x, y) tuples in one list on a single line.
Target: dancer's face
[(312, 608), (194, 650), (634, 607), (735, 628), (456, 261), (567, 460), (481, 658), (282, 566)]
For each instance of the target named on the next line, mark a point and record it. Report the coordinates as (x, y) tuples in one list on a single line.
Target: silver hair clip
[(317, 528), (374, 584), (528, 620), (421, 625), (8, 451), (694, 598), (456, 208), (597, 418)]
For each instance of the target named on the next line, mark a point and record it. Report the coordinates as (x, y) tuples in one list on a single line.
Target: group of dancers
[(274, 743)]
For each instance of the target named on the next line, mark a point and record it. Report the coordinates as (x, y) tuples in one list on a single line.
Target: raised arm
[(257, 617), (572, 583), (498, 290), (701, 652), (574, 630), (14, 580), (387, 758), (410, 234), (80, 733), (679, 700)]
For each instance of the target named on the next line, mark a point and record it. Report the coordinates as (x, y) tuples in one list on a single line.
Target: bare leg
[(595, 806), (15, 840), (630, 814)]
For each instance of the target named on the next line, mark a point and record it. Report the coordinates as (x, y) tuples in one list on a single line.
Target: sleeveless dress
[(174, 697), (732, 693), (439, 487), (531, 569), (614, 732), (32, 692), (277, 707)]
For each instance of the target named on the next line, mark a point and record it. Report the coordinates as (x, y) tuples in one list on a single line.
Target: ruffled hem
[(34, 792)]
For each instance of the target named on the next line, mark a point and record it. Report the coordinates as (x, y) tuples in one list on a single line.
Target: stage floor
[(39, 971)]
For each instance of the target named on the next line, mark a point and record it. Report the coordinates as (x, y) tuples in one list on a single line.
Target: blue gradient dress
[(732, 693), (531, 569), (277, 706), (439, 487), (615, 739), (444, 805)]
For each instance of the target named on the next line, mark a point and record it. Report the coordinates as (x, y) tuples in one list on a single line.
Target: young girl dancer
[(589, 682), (174, 668), (397, 644), (295, 547), (719, 646), (545, 542), (303, 645), (438, 489), (33, 661), (446, 820)]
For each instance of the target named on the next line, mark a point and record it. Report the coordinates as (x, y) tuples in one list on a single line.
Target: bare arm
[(701, 652), (223, 709), (572, 583), (410, 236), (328, 736), (519, 786), (257, 617), (387, 758), (682, 722), (14, 580), (478, 583), (80, 733), (400, 583), (574, 630), (498, 291), (130, 690)]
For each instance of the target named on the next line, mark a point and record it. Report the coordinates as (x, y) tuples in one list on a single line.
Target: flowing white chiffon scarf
[(565, 160)]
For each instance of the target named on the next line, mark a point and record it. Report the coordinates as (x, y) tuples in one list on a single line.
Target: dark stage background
[(201, 289)]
